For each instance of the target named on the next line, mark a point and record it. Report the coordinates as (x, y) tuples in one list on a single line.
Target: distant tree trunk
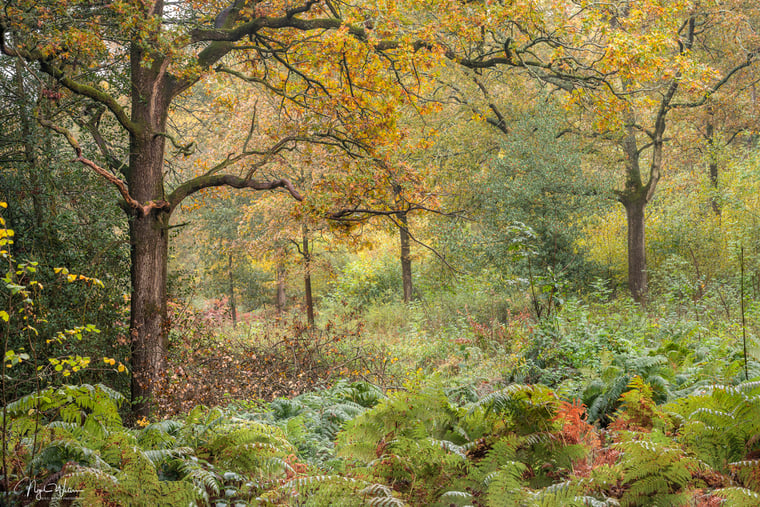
[(634, 197), (307, 275), (713, 168), (406, 257), (29, 152), (233, 309), (280, 298)]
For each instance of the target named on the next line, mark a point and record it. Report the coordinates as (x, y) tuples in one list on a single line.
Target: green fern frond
[(459, 495), (540, 437), (197, 472), (606, 403), (739, 497), (380, 495), (654, 470), (752, 463), (301, 482), (158, 456), (450, 447), (59, 452), (376, 490), (385, 501), (562, 494)]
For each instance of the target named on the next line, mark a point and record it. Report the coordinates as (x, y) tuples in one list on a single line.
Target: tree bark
[(713, 168), (148, 321), (406, 257), (637, 263), (148, 232), (233, 309), (307, 275), (280, 299)]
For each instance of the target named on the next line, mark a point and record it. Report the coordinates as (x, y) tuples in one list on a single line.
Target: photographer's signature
[(46, 491)]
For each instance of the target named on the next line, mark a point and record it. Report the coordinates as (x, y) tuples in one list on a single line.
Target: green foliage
[(536, 180), (130, 479), (721, 425), (312, 421), (73, 435), (362, 281), (605, 394), (655, 471)]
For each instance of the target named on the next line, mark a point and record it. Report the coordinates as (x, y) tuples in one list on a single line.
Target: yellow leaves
[(69, 365), (71, 278), (111, 362), (12, 358), (142, 422)]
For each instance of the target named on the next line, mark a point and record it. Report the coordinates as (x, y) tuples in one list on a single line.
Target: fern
[(739, 497), (603, 396), (655, 472), (159, 435), (319, 490), (134, 483), (505, 485), (203, 479), (720, 424), (562, 494)]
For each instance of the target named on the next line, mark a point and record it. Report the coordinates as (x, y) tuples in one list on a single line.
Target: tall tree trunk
[(148, 232), (307, 275), (233, 309), (406, 257), (148, 316), (637, 263)]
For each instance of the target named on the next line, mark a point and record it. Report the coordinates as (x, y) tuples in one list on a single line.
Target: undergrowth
[(424, 444)]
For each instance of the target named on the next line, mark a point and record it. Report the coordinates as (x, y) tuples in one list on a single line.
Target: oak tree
[(132, 61)]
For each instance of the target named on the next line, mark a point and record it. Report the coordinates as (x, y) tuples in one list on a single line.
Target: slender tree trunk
[(307, 275), (30, 154), (713, 169), (406, 257), (280, 299), (233, 309), (637, 263)]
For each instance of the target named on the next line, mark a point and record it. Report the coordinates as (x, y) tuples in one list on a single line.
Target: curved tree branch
[(142, 209), (218, 180)]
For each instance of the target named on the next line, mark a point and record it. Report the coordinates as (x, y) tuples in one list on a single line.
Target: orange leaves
[(575, 429)]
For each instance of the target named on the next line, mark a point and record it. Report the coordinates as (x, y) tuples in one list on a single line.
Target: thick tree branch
[(92, 93), (358, 214), (218, 180)]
